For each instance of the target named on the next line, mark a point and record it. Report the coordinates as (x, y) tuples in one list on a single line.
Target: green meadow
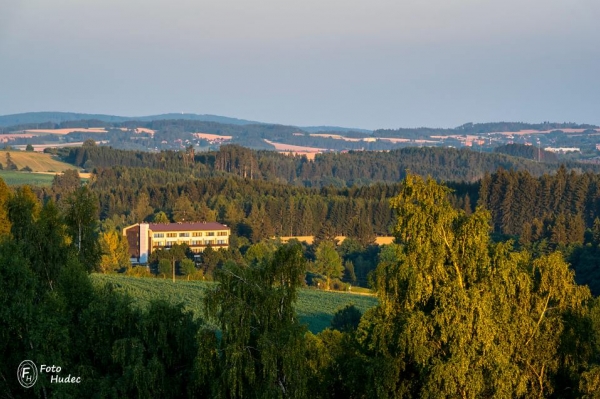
[(315, 308)]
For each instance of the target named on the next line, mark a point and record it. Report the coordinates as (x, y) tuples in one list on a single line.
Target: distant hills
[(60, 117)]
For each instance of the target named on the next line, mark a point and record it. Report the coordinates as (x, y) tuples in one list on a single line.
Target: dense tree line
[(476, 128), (558, 211), (557, 206), (338, 169), (458, 316), (527, 151)]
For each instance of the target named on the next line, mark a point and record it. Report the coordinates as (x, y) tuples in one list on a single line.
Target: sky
[(358, 63)]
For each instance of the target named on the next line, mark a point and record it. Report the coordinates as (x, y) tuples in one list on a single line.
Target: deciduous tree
[(460, 316), (81, 216), (262, 345), (115, 252), (328, 262)]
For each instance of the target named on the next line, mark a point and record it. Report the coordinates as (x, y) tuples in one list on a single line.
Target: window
[(159, 243), (197, 242), (197, 234), (184, 234), (159, 235), (210, 234), (221, 242), (171, 235), (222, 233)]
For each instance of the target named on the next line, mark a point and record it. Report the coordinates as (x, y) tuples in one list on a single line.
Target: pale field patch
[(42, 147), (383, 240), (66, 131), (334, 136), (209, 136), (294, 148)]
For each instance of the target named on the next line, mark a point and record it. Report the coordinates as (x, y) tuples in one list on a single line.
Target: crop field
[(36, 161), (315, 308), (13, 178), (66, 131)]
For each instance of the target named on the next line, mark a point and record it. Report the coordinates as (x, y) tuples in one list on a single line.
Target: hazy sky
[(370, 64)]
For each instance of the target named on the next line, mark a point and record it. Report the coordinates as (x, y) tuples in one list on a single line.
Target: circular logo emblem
[(27, 373)]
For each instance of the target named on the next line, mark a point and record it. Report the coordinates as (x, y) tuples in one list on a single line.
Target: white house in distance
[(143, 238)]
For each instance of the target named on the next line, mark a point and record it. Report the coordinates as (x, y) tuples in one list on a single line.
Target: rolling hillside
[(38, 162)]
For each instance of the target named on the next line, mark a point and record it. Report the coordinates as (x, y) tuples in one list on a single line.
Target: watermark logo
[(27, 373)]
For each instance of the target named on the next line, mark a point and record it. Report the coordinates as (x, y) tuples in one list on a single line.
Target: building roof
[(197, 226)]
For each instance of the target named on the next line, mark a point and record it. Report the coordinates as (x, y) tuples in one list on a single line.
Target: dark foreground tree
[(81, 215), (260, 353)]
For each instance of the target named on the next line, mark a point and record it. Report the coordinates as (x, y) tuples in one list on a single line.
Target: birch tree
[(459, 316)]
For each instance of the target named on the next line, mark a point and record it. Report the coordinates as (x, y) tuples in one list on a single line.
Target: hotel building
[(143, 238)]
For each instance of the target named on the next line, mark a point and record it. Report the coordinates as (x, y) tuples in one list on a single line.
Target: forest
[(460, 312), (540, 206), (508, 265), (328, 169)]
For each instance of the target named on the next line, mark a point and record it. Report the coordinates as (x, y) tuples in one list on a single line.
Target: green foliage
[(160, 217), (115, 252), (171, 255), (328, 262), (5, 194), (314, 308), (463, 316), (262, 341), (337, 366), (23, 210), (158, 361), (164, 267), (188, 268), (259, 252), (349, 274), (346, 319), (17, 311), (527, 151), (13, 178), (183, 211), (81, 217)]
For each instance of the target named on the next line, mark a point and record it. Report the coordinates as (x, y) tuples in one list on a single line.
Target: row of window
[(193, 242), (187, 234)]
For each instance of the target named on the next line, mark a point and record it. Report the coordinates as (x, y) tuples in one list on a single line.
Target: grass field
[(315, 308), (13, 178), (38, 162)]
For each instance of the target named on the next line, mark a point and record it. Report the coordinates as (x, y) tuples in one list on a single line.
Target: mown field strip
[(13, 178)]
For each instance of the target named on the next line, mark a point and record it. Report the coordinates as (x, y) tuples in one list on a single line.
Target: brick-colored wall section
[(133, 239)]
